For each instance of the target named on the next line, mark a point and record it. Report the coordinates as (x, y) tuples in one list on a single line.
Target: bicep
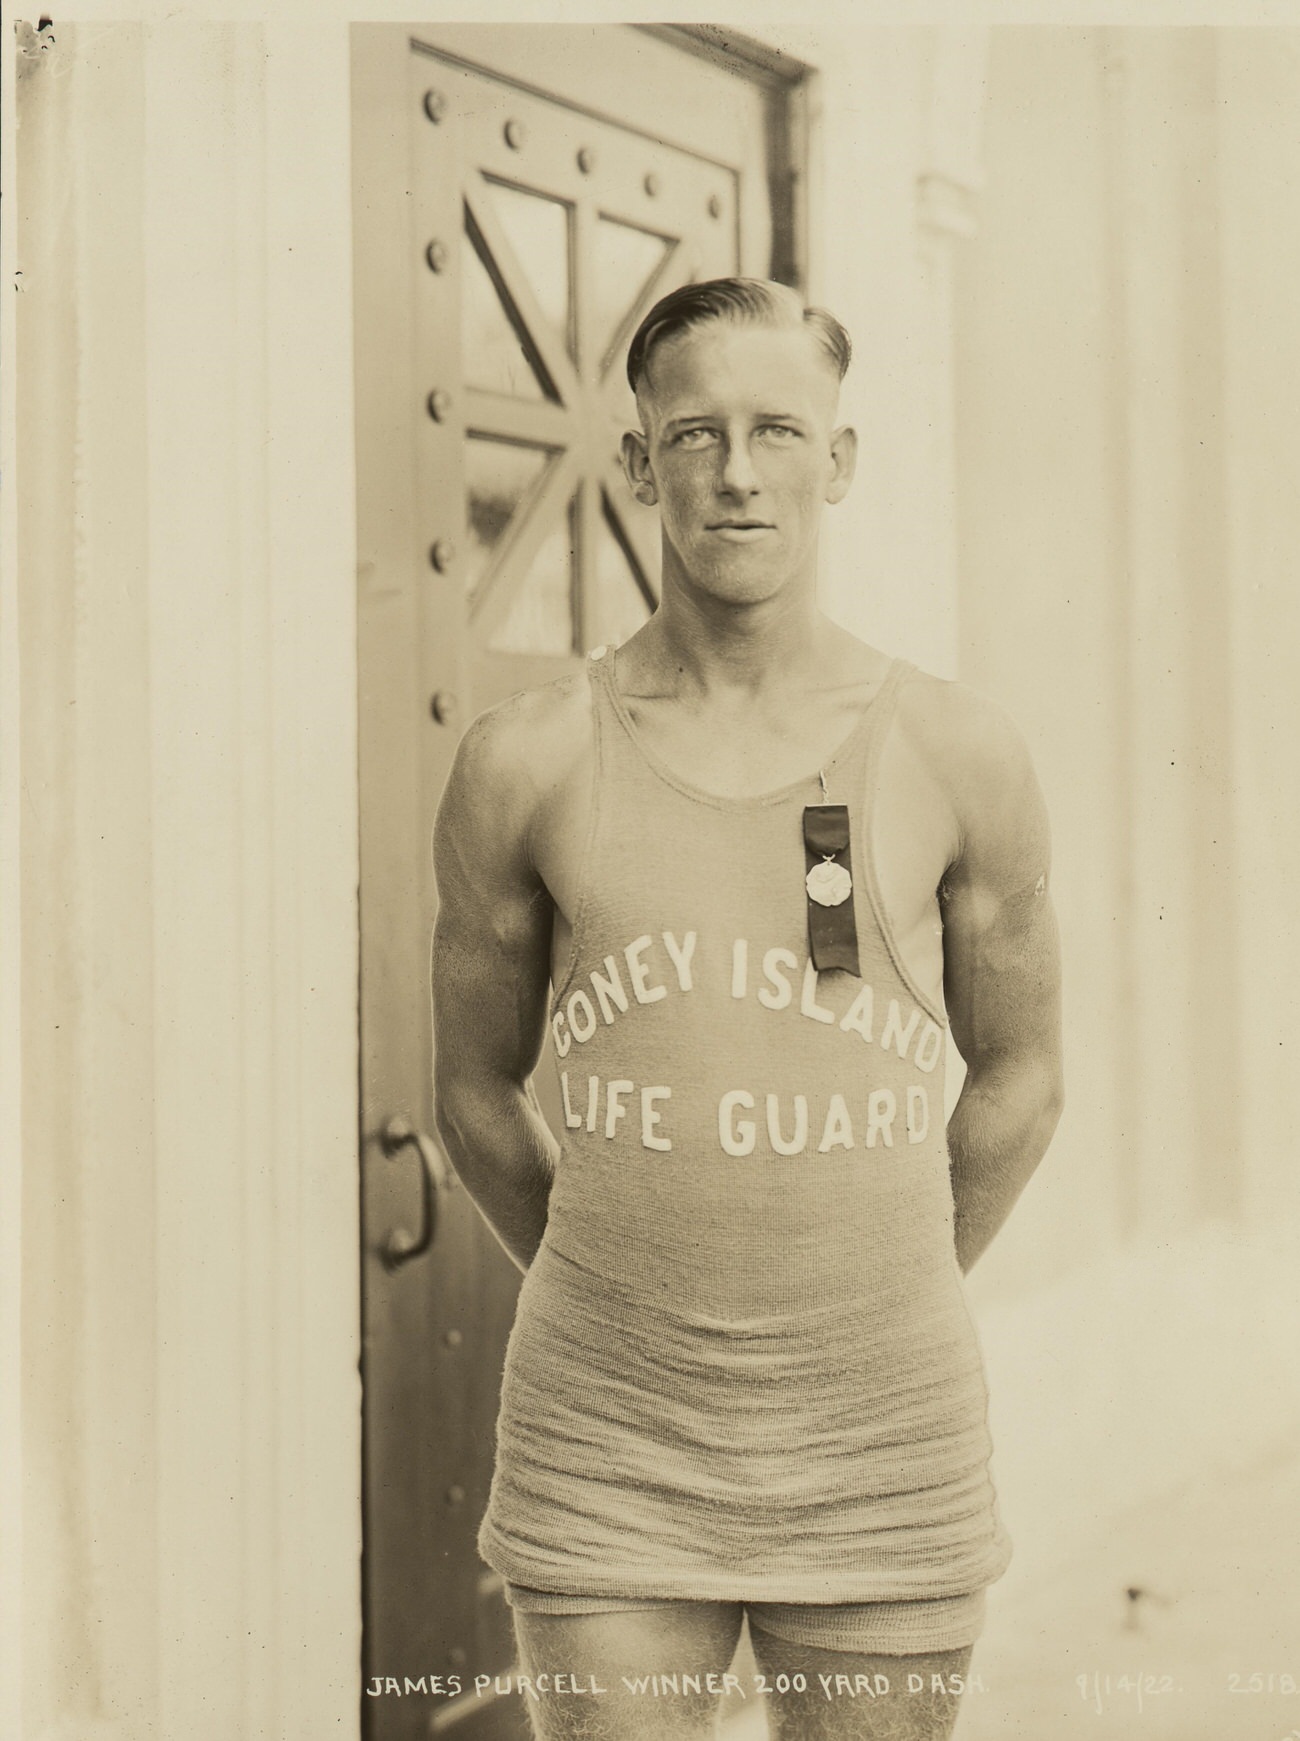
[(490, 961), (1001, 950)]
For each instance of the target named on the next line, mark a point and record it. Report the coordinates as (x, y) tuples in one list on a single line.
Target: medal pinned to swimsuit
[(832, 928)]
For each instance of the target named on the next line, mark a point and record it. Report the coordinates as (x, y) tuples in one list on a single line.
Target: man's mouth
[(740, 526)]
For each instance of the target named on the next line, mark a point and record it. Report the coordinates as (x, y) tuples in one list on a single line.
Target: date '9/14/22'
[(1100, 1688)]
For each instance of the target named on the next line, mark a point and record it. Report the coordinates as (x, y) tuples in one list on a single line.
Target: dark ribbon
[(832, 931)]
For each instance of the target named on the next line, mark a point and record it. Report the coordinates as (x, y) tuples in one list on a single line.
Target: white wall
[(189, 1404), (898, 118), (1128, 421), (1258, 81), (1128, 424)]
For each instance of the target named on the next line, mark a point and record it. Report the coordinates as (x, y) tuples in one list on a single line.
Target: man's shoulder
[(970, 744), (528, 728), (515, 752)]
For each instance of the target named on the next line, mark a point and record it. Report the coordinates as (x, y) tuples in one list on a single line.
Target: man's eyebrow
[(688, 418)]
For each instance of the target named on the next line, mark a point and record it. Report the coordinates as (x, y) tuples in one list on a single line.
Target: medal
[(828, 883)]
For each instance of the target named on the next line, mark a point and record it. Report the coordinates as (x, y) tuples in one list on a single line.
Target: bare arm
[(1001, 980), (491, 976)]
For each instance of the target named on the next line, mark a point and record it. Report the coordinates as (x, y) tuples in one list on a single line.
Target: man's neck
[(699, 643)]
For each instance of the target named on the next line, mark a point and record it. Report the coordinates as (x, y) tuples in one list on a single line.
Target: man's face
[(740, 451)]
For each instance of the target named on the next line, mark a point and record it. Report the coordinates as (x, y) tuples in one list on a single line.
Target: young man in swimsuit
[(746, 868)]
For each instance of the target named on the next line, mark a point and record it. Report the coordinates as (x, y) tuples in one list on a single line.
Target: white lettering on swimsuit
[(651, 970)]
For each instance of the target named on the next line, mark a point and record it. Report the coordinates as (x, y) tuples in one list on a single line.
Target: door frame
[(792, 90)]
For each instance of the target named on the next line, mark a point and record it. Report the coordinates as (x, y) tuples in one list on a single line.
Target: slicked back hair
[(742, 302)]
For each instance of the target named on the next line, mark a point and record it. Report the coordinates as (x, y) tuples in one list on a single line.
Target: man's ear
[(844, 458), (635, 455)]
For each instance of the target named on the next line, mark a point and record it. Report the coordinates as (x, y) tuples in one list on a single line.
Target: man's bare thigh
[(696, 1640), (847, 1695), (689, 1640)]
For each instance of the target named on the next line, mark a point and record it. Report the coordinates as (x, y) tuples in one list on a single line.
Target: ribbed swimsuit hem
[(631, 1580)]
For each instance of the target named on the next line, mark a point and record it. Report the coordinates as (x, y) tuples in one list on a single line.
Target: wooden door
[(522, 195)]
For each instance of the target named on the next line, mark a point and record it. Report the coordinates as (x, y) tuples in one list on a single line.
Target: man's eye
[(779, 432), (692, 437)]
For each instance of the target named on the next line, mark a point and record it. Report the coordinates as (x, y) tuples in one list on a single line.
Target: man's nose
[(738, 475)]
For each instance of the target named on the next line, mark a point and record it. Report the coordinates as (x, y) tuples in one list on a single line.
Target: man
[(745, 867)]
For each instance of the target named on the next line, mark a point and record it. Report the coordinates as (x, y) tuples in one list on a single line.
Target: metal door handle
[(398, 1134)]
